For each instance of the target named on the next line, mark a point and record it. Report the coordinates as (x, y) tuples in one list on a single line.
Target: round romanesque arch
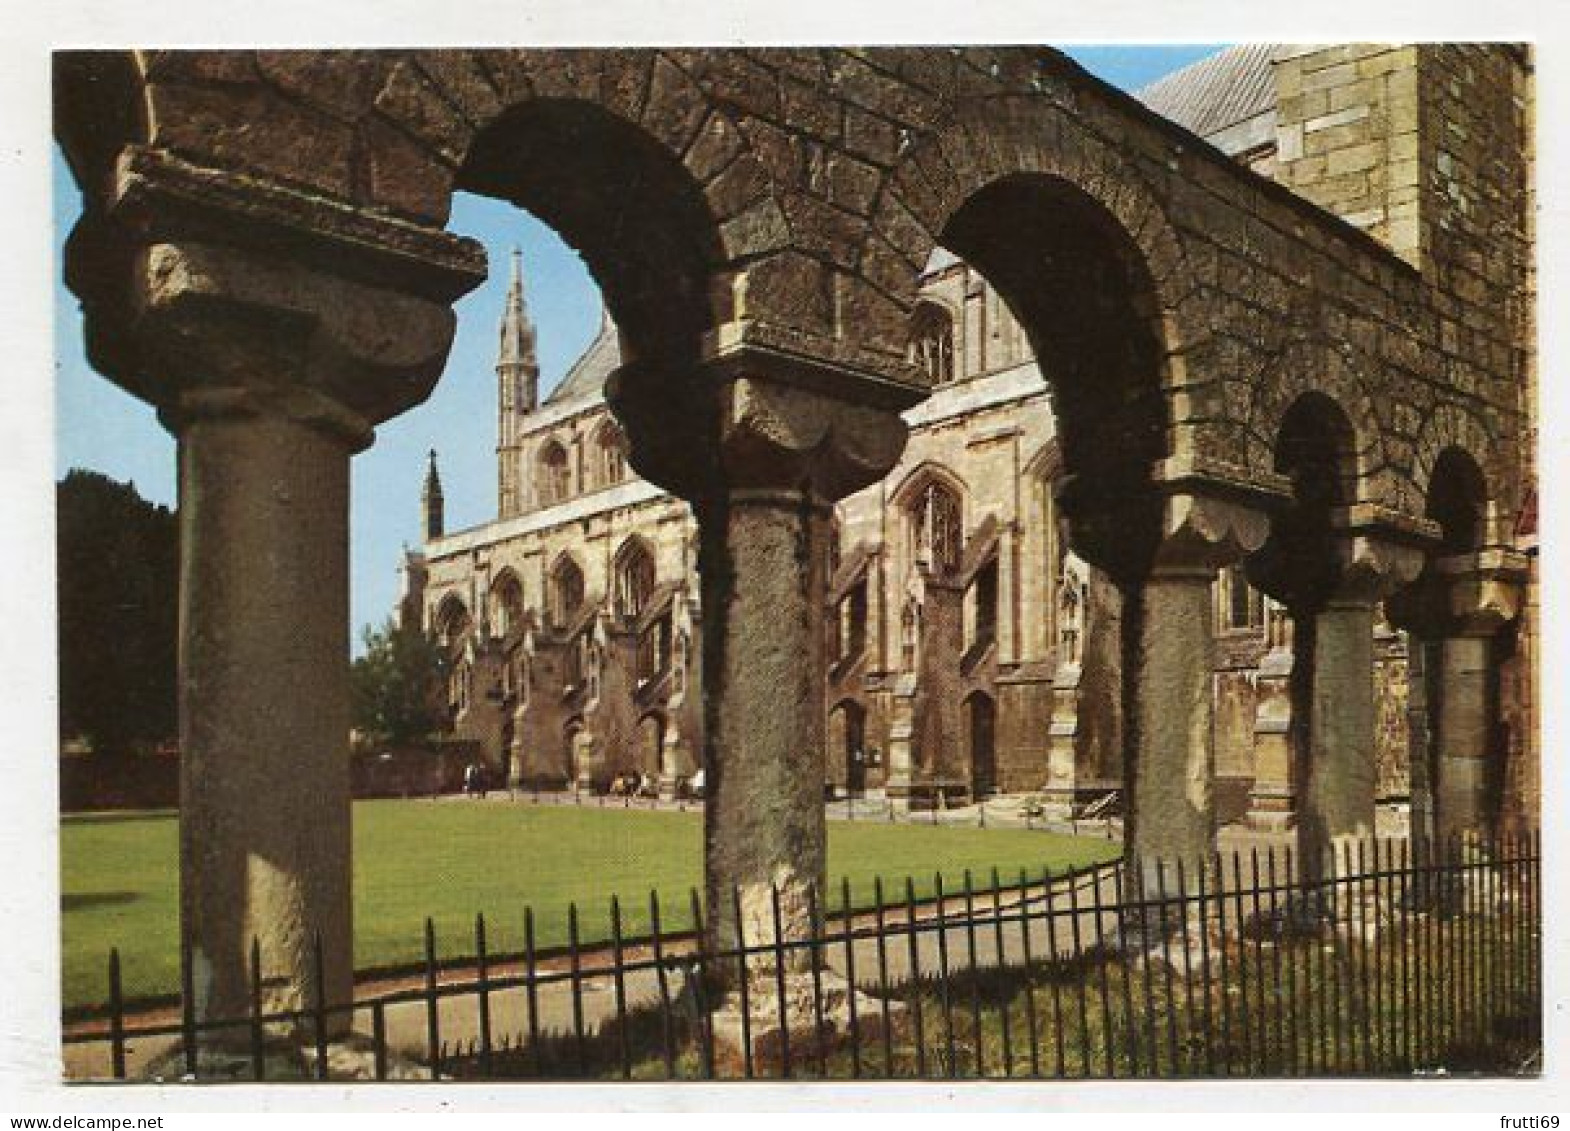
[(1295, 374), (1450, 428), (1071, 236)]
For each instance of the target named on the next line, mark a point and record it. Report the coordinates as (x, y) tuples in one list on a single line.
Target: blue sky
[(102, 428)]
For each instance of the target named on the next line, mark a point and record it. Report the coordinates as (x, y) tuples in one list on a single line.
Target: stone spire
[(431, 503), (517, 390), (517, 365)]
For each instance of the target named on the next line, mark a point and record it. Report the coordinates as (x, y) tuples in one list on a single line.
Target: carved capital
[(757, 417), (1373, 568), (1202, 533), (777, 434), (194, 280), (1486, 590)]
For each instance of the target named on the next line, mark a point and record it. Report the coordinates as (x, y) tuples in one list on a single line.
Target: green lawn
[(452, 859)]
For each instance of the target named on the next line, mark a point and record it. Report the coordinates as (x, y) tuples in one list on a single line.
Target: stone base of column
[(767, 1035), (1272, 809), (350, 1057)]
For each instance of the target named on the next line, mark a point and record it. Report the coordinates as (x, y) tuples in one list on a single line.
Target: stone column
[(1459, 607), (1465, 729), (273, 330), (1273, 798), (764, 579), (780, 453), (1172, 810), (1340, 787), (264, 707)]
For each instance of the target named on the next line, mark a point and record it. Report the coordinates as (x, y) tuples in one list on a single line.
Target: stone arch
[(1315, 451), (989, 140), (1072, 237), (1450, 426), (916, 479), (1299, 369)]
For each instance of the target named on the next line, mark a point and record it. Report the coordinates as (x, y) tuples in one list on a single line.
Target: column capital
[(1377, 557), (1201, 533), (195, 279), (1486, 589), (1463, 595), (763, 410)]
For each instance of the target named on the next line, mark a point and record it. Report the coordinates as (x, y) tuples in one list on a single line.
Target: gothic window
[(984, 610), (566, 591), (555, 477), (654, 649), (452, 622), (937, 538), (909, 633), (850, 628), (610, 448), (506, 605), (932, 342), (634, 578), (1243, 604)]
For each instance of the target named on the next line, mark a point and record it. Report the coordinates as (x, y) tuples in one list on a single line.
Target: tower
[(517, 388), (431, 503)]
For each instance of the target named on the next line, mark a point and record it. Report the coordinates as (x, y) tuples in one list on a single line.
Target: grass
[(451, 860), (1440, 996)]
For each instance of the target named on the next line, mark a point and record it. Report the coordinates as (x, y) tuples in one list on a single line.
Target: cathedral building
[(970, 652)]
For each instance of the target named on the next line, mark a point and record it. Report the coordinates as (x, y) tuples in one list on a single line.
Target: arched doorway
[(651, 744), (981, 744), (848, 743)]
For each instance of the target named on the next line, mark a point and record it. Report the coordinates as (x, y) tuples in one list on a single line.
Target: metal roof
[(1218, 91), (586, 379)]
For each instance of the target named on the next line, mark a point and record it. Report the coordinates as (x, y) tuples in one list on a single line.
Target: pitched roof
[(586, 379), (1218, 91)]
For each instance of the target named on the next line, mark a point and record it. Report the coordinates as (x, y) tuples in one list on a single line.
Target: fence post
[(700, 986), (319, 1013), (662, 978), (482, 969), (433, 1032), (258, 1035), (743, 987), (116, 1016), (187, 1007)]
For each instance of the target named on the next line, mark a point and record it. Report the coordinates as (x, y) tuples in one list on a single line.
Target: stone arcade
[(1319, 382)]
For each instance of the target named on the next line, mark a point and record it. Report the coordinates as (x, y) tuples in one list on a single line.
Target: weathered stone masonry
[(262, 245)]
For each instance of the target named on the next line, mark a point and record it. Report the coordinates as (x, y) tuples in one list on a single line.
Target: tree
[(397, 686), (118, 576)]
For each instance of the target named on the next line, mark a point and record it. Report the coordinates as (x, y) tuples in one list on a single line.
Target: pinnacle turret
[(515, 354), (432, 504)]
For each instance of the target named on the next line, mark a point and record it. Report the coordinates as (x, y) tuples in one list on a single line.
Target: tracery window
[(452, 622), (506, 605), (1244, 604), (937, 534), (566, 591), (555, 478), (610, 450), (932, 342), (634, 578), (850, 628)]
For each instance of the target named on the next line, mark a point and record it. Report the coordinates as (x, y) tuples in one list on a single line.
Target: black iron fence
[(1243, 966)]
